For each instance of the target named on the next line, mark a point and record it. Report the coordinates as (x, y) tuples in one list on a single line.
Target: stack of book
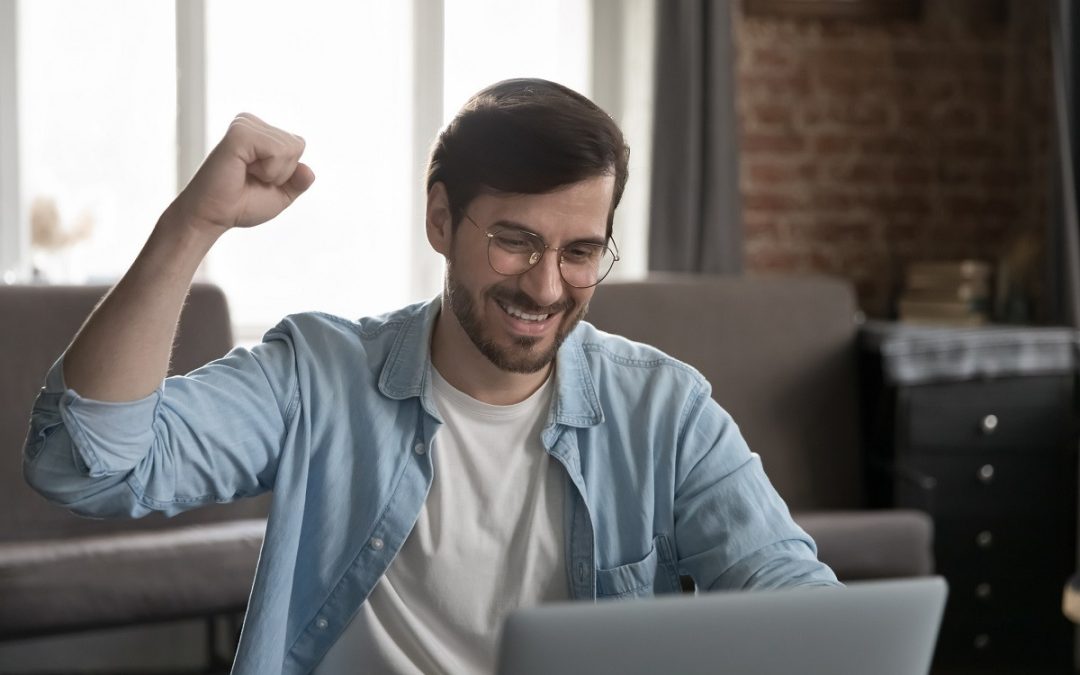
[(946, 293)]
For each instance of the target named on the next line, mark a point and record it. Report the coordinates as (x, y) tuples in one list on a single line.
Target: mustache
[(521, 300)]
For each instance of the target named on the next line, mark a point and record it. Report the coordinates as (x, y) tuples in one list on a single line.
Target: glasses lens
[(585, 264), (512, 251)]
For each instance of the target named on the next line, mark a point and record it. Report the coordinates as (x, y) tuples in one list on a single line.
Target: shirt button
[(419, 448), (377, 543), (321, 623)]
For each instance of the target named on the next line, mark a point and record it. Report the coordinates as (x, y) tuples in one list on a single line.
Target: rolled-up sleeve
[(213, 435), (733, 530)]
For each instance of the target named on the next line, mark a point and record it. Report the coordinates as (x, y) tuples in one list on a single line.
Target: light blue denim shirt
[(336, 418)]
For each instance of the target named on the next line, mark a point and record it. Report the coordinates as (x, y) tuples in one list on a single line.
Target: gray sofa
[(62, 573), (779, 352), (781, 355)]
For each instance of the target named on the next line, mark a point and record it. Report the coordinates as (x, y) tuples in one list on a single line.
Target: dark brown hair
[(526, 136)]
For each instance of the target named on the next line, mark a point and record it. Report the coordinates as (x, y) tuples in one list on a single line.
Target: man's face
[(519, 322)]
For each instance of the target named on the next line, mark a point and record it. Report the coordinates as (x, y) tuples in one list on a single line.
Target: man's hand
[(252, 175)]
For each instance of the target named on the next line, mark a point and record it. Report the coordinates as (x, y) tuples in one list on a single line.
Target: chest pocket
[(655, 573)]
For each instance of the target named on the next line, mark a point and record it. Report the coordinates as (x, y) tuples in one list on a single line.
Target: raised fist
[(252, 175)]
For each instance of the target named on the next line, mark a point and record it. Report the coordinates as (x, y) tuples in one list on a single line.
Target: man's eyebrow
[(599, 241)]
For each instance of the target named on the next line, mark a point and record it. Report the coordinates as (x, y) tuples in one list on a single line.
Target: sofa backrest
[(780, 355), (36, 325)]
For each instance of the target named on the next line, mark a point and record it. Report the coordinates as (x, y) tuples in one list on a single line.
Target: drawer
[(975, 597), (1016, 414), (986, 644), (1005, 545), (988, 485)]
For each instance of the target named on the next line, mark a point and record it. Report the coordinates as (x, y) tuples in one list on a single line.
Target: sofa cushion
[(780, 355), (75, 583)]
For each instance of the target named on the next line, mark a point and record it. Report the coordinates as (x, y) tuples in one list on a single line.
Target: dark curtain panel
[(1063, 250), (695, 218)]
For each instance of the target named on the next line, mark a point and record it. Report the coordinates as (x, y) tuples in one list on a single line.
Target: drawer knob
[(985, 474), (984, 539), (983, 591), (982, 641), (989, 424)]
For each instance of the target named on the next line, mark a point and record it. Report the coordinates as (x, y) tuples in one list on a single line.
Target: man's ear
[(440, 224)]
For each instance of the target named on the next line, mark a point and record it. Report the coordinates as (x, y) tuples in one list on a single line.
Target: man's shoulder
[(619, 354), (325, 333)]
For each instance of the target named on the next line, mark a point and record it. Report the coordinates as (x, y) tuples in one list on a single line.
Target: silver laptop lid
[(880, 627)]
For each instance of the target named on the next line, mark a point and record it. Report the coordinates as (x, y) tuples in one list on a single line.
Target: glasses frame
[(613, 249)]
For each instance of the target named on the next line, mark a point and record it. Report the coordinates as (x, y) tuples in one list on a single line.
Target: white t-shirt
[(489, 539)]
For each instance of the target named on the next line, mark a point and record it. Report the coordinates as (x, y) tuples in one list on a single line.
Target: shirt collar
[(405, 373)]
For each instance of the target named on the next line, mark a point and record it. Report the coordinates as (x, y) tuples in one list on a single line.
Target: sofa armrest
[(872, 544)]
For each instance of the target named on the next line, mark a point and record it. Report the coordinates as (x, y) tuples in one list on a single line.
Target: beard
[(521, 356)]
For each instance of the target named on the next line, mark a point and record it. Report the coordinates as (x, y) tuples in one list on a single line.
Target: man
[(438, 466)]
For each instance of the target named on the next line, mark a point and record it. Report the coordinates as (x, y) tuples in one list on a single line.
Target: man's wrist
[(188, 233)]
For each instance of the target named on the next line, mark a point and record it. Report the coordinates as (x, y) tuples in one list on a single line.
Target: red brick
[(778, 172), (772, 57), (891, 145), (910, 204), (975, 147), (859, 173), (859, 115), (920, 60), (840, 231), (828, 144), (778, 142), (958, 173), (981, 88), (980, 207), (839, 59), (904, 232), (771, 260), (850, 85), (772, 113), (912, 174), (827, 200), (956, 118), (757, 227), (914, 116), (1000, 177), (769, 201), (925, 88), (797, 84)]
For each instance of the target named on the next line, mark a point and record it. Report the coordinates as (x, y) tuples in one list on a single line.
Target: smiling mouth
[(520, 314)]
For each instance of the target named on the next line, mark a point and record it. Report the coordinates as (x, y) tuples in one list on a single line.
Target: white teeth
[(515, 312)]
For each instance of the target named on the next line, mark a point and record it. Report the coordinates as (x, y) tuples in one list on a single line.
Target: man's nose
[(543, 282)]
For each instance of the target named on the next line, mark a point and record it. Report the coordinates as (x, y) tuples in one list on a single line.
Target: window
[(97, 131), (337, 74), (366, 83), (491, 40)]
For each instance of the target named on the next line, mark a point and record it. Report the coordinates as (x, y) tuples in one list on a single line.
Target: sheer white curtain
[(96, 131), (366, 83), (338, 75), (492, 40)]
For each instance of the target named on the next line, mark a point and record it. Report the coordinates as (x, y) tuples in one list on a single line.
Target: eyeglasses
[(513, 251)]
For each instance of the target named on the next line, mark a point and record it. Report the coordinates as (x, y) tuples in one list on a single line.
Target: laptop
[(879, 627)]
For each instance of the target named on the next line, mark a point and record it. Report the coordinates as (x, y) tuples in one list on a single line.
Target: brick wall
[(867, 145)]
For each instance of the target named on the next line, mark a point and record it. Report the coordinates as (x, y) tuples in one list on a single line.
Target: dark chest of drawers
[(979, 429)]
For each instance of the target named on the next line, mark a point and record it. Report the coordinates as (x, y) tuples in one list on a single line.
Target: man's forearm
[(122, 351)]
